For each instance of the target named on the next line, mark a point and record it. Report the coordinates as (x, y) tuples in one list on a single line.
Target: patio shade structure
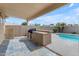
[(28, 11)]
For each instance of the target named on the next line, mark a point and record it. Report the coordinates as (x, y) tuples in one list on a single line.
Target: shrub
[(73, 32)]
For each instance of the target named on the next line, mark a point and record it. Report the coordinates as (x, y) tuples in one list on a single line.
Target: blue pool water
[(69, 37)]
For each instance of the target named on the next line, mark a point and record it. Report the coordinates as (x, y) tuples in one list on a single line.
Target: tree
[(55, 29), (37, 24), (24, 23), (59, 27), (62, 26)]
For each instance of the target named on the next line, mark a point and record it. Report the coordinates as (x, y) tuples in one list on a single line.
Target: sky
[(15, 20), (68, 14)]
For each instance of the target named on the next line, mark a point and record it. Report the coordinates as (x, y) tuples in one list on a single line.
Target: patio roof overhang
[(28, 11)]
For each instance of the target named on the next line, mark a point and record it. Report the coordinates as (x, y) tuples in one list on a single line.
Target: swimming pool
[(71, 37)]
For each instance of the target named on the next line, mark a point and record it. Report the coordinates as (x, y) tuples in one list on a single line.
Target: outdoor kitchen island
[(41, 38)]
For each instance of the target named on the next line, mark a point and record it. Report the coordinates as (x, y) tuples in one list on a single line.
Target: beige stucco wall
[(41, 28), (2, 29), (70, 29), (19, 30)]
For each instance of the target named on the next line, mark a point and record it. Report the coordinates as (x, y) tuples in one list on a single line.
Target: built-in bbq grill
[(30, 31)]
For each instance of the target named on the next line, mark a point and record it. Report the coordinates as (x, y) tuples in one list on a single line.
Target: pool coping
[(67, 33)]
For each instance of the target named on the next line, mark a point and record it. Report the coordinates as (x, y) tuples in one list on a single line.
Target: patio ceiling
[(28, 11)]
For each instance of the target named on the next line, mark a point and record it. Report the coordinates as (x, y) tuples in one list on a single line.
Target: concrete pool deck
[(64, 47), (20, 46)]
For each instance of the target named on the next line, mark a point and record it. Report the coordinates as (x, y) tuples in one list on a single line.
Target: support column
[(2, 30), (27, 22), (26, 31)]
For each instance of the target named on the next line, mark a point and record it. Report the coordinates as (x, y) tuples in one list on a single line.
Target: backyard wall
[(15, 31), (12, 31), (2, 33), (70, 29), (41, 27)]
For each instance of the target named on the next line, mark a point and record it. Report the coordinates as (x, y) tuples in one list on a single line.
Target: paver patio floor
[(20, 46)]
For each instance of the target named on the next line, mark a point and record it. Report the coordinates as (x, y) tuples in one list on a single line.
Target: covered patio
[(21, 45)]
